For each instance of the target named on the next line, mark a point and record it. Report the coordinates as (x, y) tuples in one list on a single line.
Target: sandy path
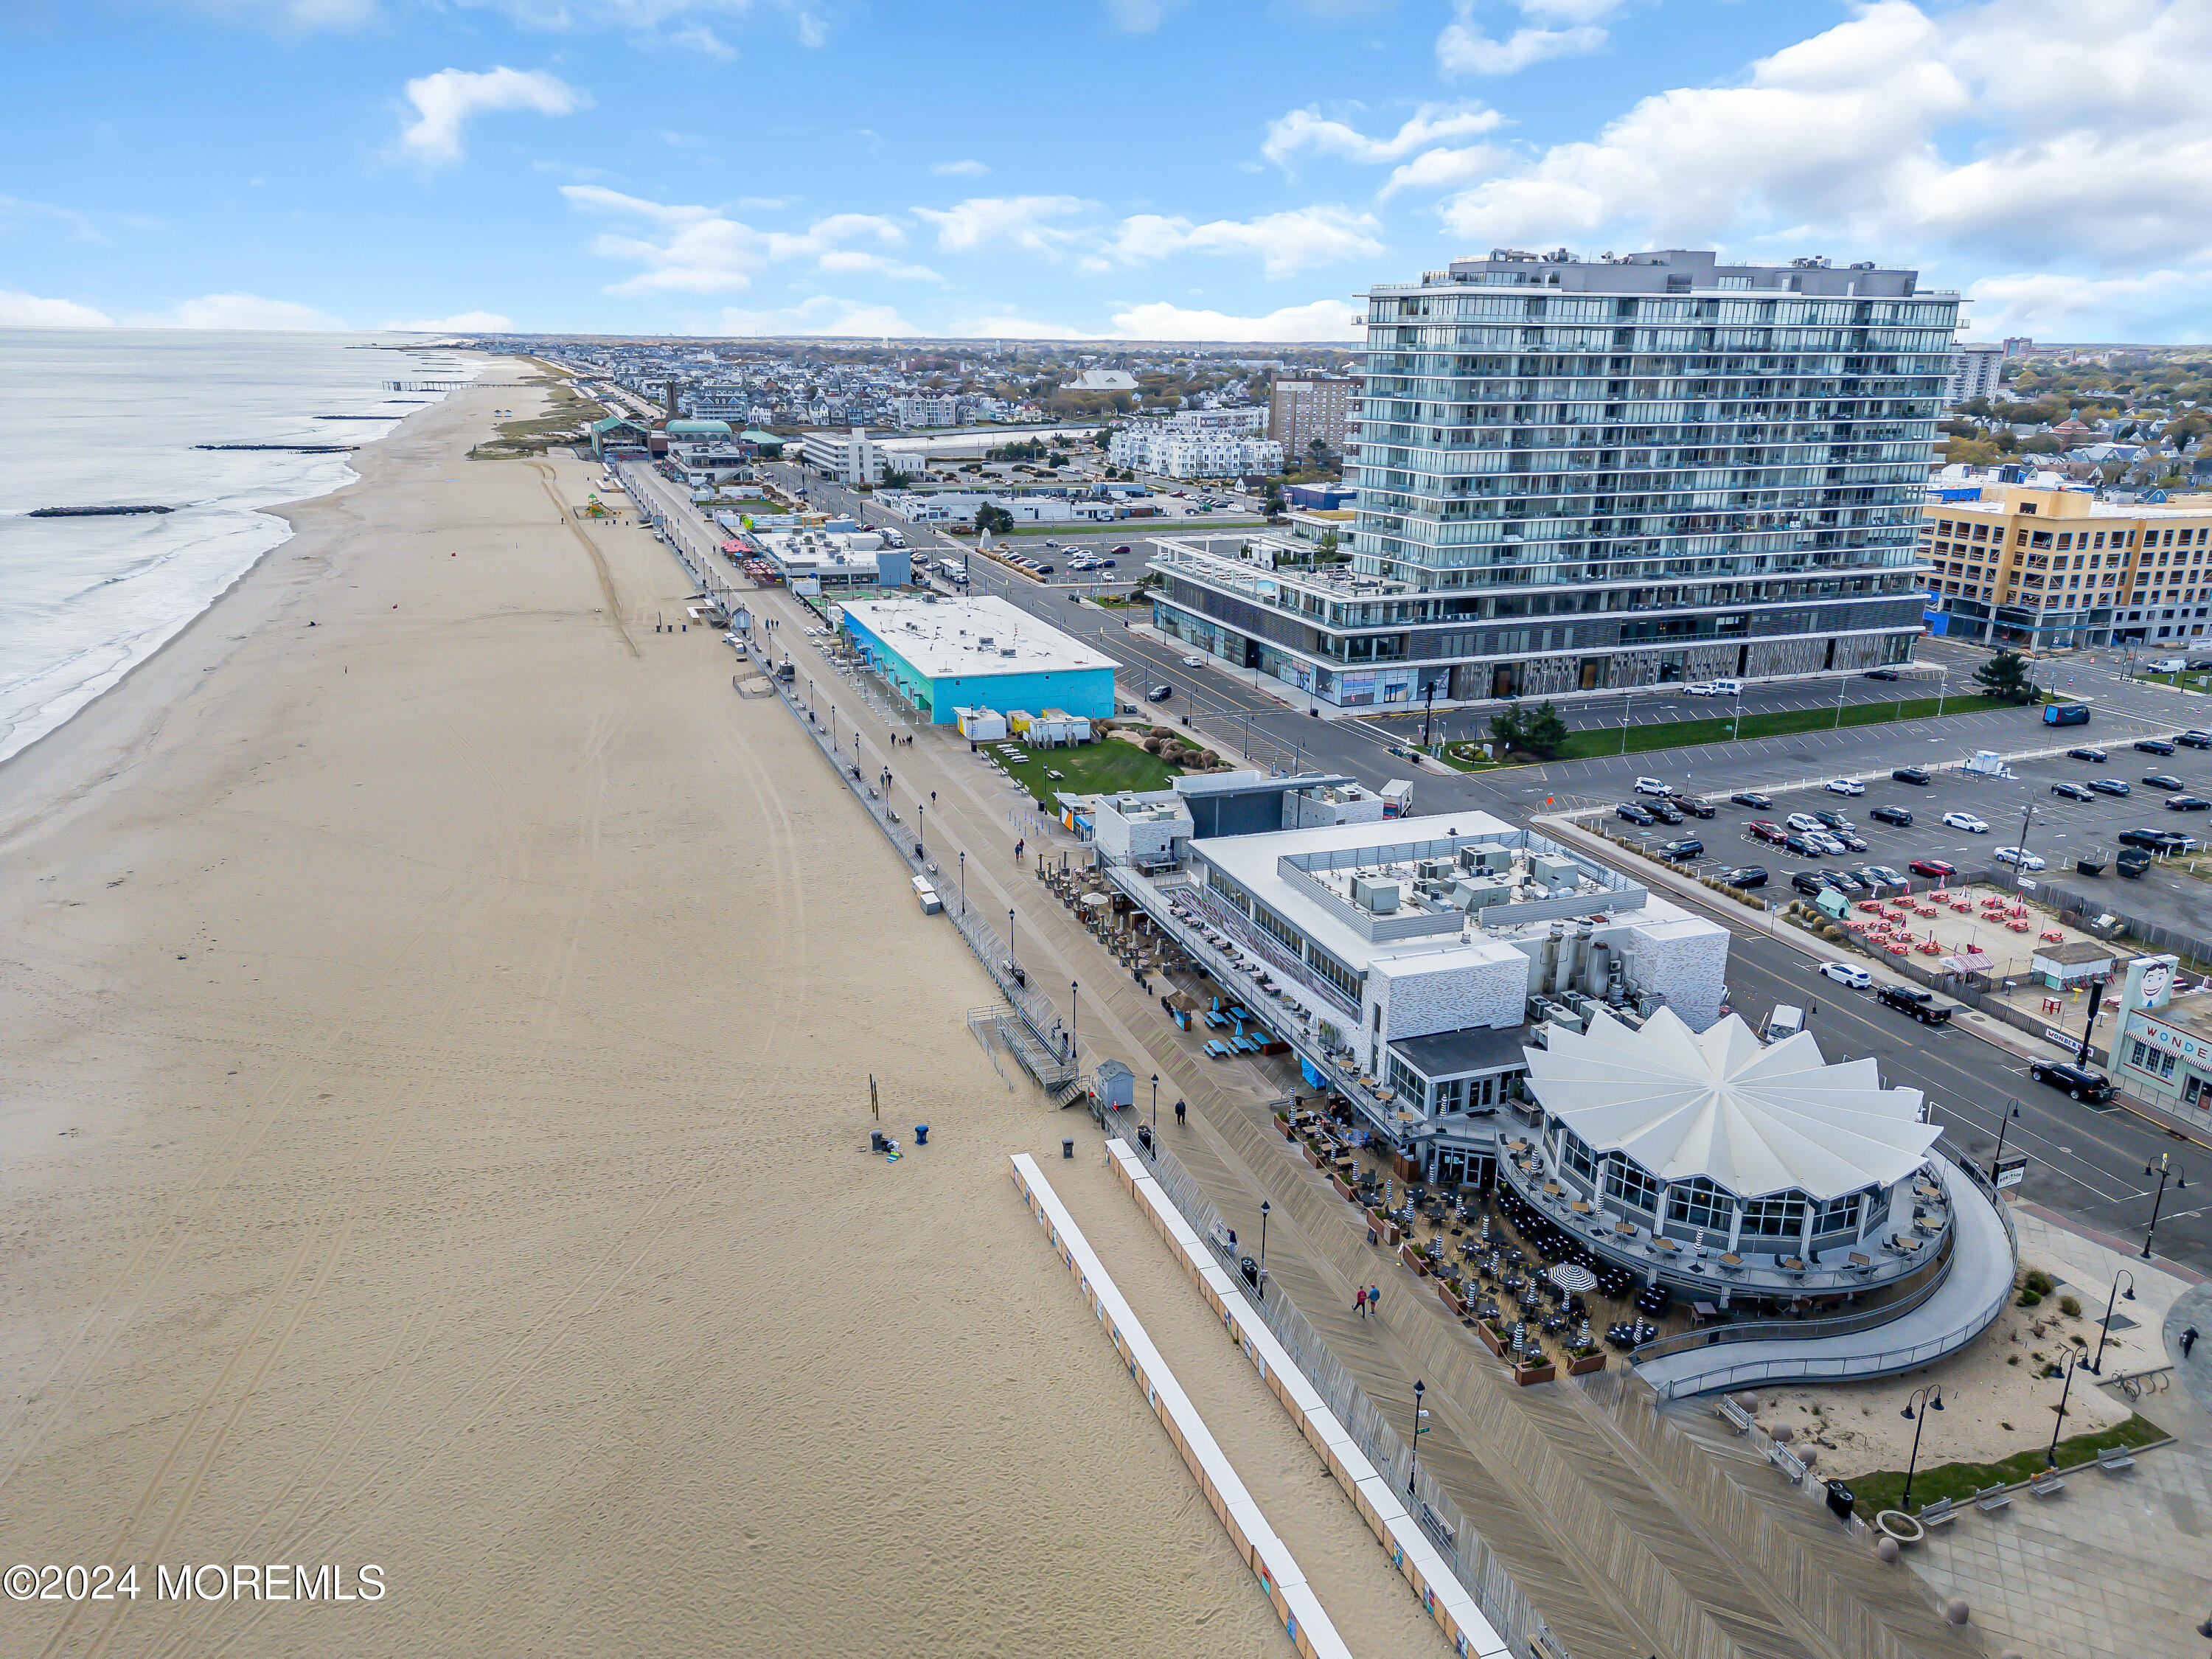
[(441, 1042)]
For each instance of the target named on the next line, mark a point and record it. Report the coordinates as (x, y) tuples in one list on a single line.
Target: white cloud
[(701, 250), (21, 310), (2049, 301), (446, 103), (1022, 222), (1136, 16), (1324, 319), (1286, 243), (1464, 49), (819, 314), (1006, 326), (959, 169), (1308, 130), (239, 311), (461, 322), (1442, 169)]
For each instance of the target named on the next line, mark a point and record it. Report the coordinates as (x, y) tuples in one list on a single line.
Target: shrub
[(2070, 1306), (2028, 1299), (2039, 1281)]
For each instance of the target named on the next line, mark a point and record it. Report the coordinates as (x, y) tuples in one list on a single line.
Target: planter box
[(1312, 1156), (1386, 1230), (1490, 1339), (1586, 1365), (1458, 1307), (1528, 1374), (1343, 1187), (1414, 1259), (1283, 1124)]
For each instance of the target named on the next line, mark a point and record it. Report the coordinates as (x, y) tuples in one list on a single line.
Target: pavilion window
[(1782, 1216), (1698, 1203), (1631, 1182), (1839, 1215)]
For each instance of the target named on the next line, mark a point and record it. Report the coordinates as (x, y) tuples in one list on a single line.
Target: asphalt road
[(2083, 1163)]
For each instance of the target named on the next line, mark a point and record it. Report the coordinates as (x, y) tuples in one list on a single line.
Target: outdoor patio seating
[(2115, 1458), (1991, 1499)]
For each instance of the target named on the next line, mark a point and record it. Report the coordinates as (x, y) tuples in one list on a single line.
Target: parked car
[(2097, 755), (1845, 787), (1159, 694), (2020, 858), (1118, 551), (1801, 822), (2079, 1082), (1753, 799), (1660, 810), (2193, 739), (2154, 841), (2074, 790), (2111, 786), (1899, 815), (1194, 662), (2186, 803), (1881, 875), (1690, 804), (1702, 689), (1833, 821), (1633, 813), (1848, 973), (1850, 838), (1934, 869), (1655, 786), (1803, 846), (1761, 829), (1746, 876), (1808, 883), (1684, 849), (2161, 781), (1967, 822), (2154, 746), (1910, 775), (1844, 882), (1881, 673), (1829, 842), (1918, 1004)]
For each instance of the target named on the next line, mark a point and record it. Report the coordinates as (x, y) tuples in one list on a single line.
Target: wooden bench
[(1940, 1513), (2114, 1457), (2047, 1483), (1991, 1499)]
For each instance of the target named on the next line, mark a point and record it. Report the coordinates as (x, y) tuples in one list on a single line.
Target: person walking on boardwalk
[(1179, 1111), (1359, 1301), (1018, 846), (2188, 1341), (1374, 1298)]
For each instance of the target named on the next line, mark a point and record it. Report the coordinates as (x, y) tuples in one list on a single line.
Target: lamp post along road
[(2003, 1124), (1932, 1400), (2162, 1169), (2105, 1331)]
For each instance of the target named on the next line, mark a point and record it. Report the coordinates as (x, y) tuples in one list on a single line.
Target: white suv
[(1845, 787), (1651, 786)]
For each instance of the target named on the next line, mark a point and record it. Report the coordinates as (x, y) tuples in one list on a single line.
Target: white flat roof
[(943, 639)]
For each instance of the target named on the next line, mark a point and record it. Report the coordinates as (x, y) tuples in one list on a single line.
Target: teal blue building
[(943, 655)]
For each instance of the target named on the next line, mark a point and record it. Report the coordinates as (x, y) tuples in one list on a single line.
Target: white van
[(2166, 665), (1726, 688), (1651, 786)]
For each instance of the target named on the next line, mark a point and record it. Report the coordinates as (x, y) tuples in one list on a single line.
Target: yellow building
[(2058, 568)]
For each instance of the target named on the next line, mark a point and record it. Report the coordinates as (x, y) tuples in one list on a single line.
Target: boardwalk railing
[(1473, 1561)]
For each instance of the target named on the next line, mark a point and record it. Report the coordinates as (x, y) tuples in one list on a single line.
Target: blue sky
[(1183, 169)]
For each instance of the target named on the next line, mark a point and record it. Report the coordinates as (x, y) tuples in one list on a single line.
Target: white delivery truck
[(1397, 798)]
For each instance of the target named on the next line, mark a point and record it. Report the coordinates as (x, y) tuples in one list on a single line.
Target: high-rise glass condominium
[(1577, 474)]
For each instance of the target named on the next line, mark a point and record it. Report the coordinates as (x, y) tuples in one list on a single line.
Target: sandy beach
[(441, 1017)]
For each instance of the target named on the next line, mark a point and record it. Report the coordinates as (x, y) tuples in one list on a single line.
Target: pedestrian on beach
[(1359, 1301), (2188, 1341)]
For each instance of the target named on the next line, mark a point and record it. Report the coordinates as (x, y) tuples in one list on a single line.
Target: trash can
[(921, 1134), (1840, 1499), (1067, 1146)]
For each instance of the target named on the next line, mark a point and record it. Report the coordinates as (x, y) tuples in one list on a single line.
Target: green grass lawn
[(1586, 745), (1873, 1494), (1088, 768), (2183, 681)]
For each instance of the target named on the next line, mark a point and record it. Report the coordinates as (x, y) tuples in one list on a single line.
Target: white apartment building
[(1190, 446), (1974, 373), (925, 411), (847, 456)]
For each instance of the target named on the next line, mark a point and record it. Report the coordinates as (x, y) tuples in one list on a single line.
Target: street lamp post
[(1155, 1101), (2003, 1124), (2162, 1169), (1842, 686), (2096, 999), (2058, 1424), (1262, 1286), (1413, 1462), (2020, 867), (963, 881), (2097, 1364), (1010, 936), (1073, 1005), (1932, 1400)]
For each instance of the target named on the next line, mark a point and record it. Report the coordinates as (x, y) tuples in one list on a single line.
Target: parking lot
[(2059, 831)]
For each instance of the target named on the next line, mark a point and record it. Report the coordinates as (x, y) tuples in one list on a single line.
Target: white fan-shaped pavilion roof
[(1753, 1119)]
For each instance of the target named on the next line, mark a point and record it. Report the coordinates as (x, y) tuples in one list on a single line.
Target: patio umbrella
[(1572, 1278)]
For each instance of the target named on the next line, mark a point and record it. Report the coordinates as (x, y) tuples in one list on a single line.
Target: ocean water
[(109, 417)]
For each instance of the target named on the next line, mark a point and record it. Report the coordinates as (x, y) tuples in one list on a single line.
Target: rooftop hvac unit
[(1435, 870), (1374, 893), (1555, 871), (1567, 1020)]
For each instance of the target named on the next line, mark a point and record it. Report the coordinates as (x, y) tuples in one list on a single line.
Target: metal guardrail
[(1929, 1276)]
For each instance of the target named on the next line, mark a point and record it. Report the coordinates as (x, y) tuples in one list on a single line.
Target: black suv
[(1918, 1004), (1899, 815), (1808, 883), (1695, 808), (2079, 1082), (1630, 810), (2154, 746), (1665, 814), (1683, 851), (1746, 876), (1910, 775), (2154, 841)]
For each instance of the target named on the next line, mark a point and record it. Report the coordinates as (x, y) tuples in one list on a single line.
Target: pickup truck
[(1918, 1004)]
